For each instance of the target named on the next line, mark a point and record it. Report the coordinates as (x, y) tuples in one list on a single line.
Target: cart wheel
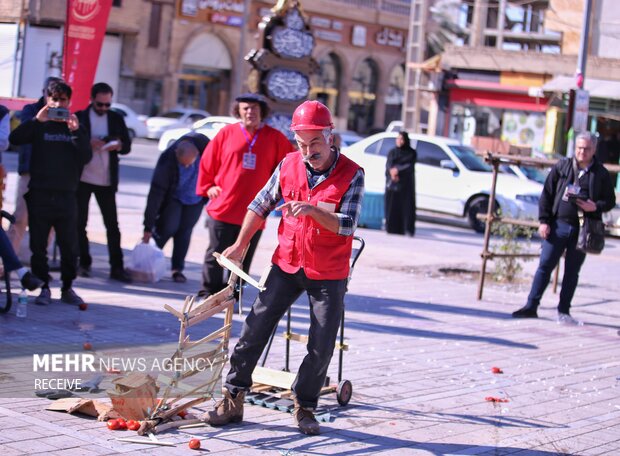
[(344, 392)]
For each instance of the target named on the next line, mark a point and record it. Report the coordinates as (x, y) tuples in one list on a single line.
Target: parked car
[(208, 126), (612, 218), (176, 118), (348, 137), (135, 125), (450, 179), (526, 172)]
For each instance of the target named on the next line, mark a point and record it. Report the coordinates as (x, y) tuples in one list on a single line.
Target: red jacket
[(221, 164), (303, 242)]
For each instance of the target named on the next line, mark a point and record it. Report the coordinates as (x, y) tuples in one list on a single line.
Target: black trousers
[(221, 236), (46, 210), (106, 199), (326, 302)]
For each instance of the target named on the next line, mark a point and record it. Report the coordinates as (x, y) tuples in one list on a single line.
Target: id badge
[(249, 160)]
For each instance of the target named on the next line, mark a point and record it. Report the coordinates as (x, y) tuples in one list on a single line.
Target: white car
[(612, 218), (347, 137), (135, 125), (450, 179), (208, 126), (180, 117)]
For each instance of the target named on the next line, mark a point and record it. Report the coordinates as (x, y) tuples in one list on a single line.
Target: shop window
[(155, 25), (394, 96), (326, 81), (140, 88), (362, 95), (430, 154)]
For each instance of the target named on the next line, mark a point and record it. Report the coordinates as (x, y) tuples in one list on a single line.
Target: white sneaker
[(566, 319)]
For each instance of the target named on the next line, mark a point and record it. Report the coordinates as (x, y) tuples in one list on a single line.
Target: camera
[(58, 113)]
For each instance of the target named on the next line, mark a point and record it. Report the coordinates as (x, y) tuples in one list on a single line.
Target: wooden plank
[(173, 311), (146, 442), (279, 379), (214, 335)]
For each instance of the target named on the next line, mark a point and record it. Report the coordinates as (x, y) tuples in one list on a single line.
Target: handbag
[(591, 231), (591, 235)]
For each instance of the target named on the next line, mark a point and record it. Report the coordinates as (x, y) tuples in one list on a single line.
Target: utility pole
[(580, 98)]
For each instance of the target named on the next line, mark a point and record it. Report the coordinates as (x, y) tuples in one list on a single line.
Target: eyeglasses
[(102, 105)]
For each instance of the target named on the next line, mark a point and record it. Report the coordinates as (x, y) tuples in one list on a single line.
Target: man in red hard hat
[(323, 191)]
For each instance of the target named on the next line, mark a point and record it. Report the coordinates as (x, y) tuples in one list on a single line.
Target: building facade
[(163, 54)]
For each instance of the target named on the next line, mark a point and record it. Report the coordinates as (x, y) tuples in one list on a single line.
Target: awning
[(598, 88), (495, 95)]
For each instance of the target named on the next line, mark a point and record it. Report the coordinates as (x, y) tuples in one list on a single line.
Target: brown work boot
[(305, 420), (226, 410)]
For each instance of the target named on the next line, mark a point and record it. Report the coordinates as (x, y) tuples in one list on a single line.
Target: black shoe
[(44, 298), (83, 271), (525, 312), (69, 296), (30, 281), (179, 277), (121, 275)]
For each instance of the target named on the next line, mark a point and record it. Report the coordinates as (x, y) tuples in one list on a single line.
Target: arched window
[(325, 83), (394, 96), (362, 96)]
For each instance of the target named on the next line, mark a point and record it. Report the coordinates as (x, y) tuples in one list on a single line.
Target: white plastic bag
[(147, 262)]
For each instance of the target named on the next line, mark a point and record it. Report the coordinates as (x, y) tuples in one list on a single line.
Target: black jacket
[(166, 178), (116, 130), (600, 190), (29, 112), (58, 155)]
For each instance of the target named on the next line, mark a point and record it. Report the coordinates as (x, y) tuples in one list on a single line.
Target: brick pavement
[(421, 352)]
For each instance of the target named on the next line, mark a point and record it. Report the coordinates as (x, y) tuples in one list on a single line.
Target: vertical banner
[(84, 31)]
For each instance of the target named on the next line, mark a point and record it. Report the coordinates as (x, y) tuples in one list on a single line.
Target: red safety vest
[(303, 242)]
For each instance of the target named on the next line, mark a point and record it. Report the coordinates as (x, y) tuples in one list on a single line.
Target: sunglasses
[(102, 105)]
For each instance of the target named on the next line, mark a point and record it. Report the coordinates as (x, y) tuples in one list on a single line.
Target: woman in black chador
[(400, 187)]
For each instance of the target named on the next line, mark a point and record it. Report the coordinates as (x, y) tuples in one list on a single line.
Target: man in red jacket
[(322, 190), (235, 166)]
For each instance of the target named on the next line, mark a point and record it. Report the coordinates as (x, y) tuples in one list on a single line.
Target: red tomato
[(87, 346), (194, 444), (122, 424), (133, 425), (83, 306), (497, 370), (182, 413), (113, 425)]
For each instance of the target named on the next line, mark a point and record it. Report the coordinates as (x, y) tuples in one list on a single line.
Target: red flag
[(84, 32)]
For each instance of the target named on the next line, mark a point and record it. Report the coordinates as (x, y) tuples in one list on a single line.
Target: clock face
[(287, 85), (290, 43), (282, 122)]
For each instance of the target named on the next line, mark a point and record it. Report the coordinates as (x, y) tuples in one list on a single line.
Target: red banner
[(84, 32)]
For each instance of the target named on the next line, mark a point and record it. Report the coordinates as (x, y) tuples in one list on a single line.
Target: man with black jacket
[(172, 207), (562, 199), (109, 138), (60, 149), (18, 228)]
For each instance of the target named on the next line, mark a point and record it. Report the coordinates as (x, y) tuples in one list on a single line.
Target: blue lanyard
[(250, 141)]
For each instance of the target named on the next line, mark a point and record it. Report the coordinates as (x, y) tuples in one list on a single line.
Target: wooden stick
[(145, 442)]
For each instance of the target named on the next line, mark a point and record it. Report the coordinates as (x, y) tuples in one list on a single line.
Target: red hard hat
[(311, 115)]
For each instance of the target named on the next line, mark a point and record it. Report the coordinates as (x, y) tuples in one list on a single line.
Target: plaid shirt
[(350, 206)]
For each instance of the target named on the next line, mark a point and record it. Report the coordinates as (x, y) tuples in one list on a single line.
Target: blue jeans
[(563, 238), (177, 222), (9, 258)]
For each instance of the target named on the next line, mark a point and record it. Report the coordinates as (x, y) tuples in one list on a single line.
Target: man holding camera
[(565, 195), (109, 138), (60, 149)]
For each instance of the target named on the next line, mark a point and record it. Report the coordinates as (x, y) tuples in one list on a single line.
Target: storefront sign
[(358, 37), (390, 37), (215, 11), (581, 109), (327, 35), (86, 25)]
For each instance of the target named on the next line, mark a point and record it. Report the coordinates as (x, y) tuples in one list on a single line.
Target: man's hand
[(587, 205), (73, 123), (214, 192), (96, 144), (146, 237), (235, 253), (42, 114), (296, 208), (544, 230)]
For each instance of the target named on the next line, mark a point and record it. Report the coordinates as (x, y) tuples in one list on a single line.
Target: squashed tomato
[(113, 425), (133, 425)]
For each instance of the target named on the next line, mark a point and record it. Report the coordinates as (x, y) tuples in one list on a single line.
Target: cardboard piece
[(101, 411), (135, 396)]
